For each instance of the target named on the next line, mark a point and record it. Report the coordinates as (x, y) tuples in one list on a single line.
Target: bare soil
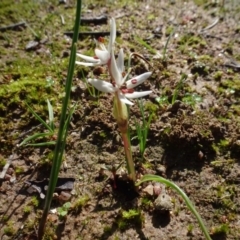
[(194, 137)]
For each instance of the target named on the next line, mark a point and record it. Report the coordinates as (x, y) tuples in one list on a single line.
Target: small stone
[(161, 169), (32, 45), (163, 202), (53, 211), (158, 188), (148, 189), (12, 179), (64, 196), (200, 155)]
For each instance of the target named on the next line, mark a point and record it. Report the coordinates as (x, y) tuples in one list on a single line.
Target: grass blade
[(188, 202), (34, 137), (62, 134), (39, 118), (50, 113), (42, 144)]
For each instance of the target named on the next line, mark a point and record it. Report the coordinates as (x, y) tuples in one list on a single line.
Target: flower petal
[(137, 94), (87, 64), (87, 58), (104, 56), (120, 61), (102, 46), (124, 99), (137, 80), (112, 34), (115, 74), (102, 86)]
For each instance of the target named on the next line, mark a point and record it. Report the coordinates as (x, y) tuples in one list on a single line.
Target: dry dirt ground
[(193, 48)]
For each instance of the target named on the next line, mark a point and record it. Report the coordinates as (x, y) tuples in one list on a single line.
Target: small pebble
[(64, 196), (148, 189), (163, 202), (158, 188)]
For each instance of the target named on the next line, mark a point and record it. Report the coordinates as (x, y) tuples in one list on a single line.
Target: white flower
[(102, 55), (119, 85)]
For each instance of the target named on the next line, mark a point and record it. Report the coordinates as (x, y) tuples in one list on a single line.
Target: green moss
[(205, 58), (102, 134), (29, 225), (9, 229), (221, 147), (169, 30), (151, 107), (224, 143), (132, 216), (223, 228), (200, 2), (132, 213), (191, 99), (192, 40), (107, 229), (232, 84), (50, 156), (122, 225), (80, 203), (27, 209), (166, 74), (2, 163), (190, 228), (146, 202), (5, 218), (218, 75), (34, 201), (49, 232), (151, 17), (225, 195), (19, 170)]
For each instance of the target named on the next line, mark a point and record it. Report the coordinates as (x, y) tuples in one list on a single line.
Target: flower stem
[(121, 115), (128, 154)]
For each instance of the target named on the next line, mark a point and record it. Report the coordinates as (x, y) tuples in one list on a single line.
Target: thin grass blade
[(43, 144), (39, 118), (50, 113), (34, 137), (188, 202)]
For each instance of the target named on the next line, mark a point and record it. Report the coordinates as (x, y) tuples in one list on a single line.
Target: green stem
[(62, 133), (128, 154), (121, 114), (188, 202)]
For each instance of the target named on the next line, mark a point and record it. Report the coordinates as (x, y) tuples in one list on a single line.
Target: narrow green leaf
[(62, 130), (50, 113), (34, 137), (188, 202), (42, 144), (39, 118)]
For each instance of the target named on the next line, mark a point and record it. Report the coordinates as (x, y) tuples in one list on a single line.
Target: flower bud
[(120, 113)]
